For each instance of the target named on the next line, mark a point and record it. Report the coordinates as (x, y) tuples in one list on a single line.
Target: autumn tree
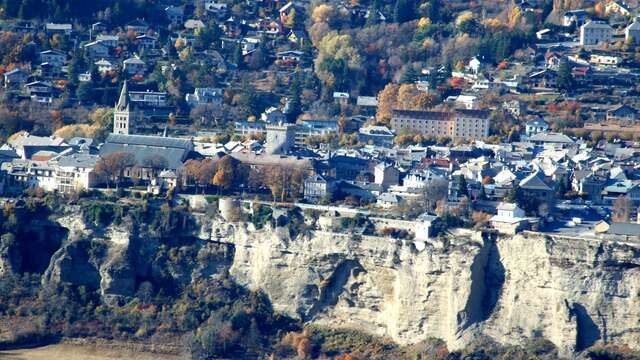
[(226, 173), (621, 211), (198, 172), (284, 181), (337, 58), (112, 166), (387, 101), (155, 163)]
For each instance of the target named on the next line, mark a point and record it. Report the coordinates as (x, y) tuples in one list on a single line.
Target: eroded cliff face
[(574, 292)]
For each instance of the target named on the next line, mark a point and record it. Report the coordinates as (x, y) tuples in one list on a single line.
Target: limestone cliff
[(574, 292)]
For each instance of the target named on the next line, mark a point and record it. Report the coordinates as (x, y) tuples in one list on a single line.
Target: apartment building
[(459, 124)]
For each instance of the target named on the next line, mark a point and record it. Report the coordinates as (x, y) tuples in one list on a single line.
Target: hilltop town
[(411, 120)]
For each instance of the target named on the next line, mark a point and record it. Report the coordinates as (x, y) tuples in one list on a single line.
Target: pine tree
[(565, 79), (462, 186), (403, 11), (237, 57), (12, 7)]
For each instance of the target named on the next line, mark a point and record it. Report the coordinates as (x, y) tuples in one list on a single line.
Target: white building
[(632, 32), (510, 219), (595, 33)]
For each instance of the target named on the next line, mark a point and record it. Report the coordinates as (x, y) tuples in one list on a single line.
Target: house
[(536, 126), (273, 115), (193, 25), (552, 139), (347, 167), (202, 96), (386, 175), (134, 66), (509, 220), (286, 11), (535, 188), (318, 187), (376, 135), (368, 104), (40, 91), (108, 40), (146, 42), (544, 34), (215, 7), (175, 14), (599, 59), (632, 32), (53, 57), (574, 17), (617, 8), (98, 27), (137, 26), (296, 37), (24, 140), (468, 102), (290, 57), (103, 66), (53, 28), (622, 113), (341, 98), (96, 50), (388, 200), (595, 33), (75, 172), (15, 78)]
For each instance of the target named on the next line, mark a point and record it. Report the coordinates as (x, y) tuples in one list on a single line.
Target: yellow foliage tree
[(387, 101), (323, 13)]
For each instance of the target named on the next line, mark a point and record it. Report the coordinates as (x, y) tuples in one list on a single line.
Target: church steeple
[(123, 100), (124, 118)]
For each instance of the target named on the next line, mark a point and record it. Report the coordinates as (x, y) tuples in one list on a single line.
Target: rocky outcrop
[(574, 292)]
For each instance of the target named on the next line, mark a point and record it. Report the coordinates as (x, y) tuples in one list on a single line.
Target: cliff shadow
[(487, 280), (587, 331), (331, 288)]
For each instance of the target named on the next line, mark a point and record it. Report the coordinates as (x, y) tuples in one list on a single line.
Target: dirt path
[(80, 352)]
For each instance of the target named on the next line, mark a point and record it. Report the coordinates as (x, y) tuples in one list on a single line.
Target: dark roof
[(534, 182), (440, 115), (422, 115), (151, 141), (629, 229), (174, 150)]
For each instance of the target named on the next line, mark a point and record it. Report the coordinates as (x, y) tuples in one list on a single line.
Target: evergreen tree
[(565, 79), (409, 75), (403, 11), (483, 194), (295, 105), (462, 186), (237, 57), (12, 7)]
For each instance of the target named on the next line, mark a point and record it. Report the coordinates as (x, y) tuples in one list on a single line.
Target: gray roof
[(80, 160), (629, 229), (552, 138), (174, 150), (534, 182), (152, 141)]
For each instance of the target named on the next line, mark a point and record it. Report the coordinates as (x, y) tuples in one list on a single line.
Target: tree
[(226, 174), (337, 57), (462, 189), (387, 102), (155, 163), (403, 11), (565, 80), (284, 181), (199, 172), (621, 210), (112, 166)]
